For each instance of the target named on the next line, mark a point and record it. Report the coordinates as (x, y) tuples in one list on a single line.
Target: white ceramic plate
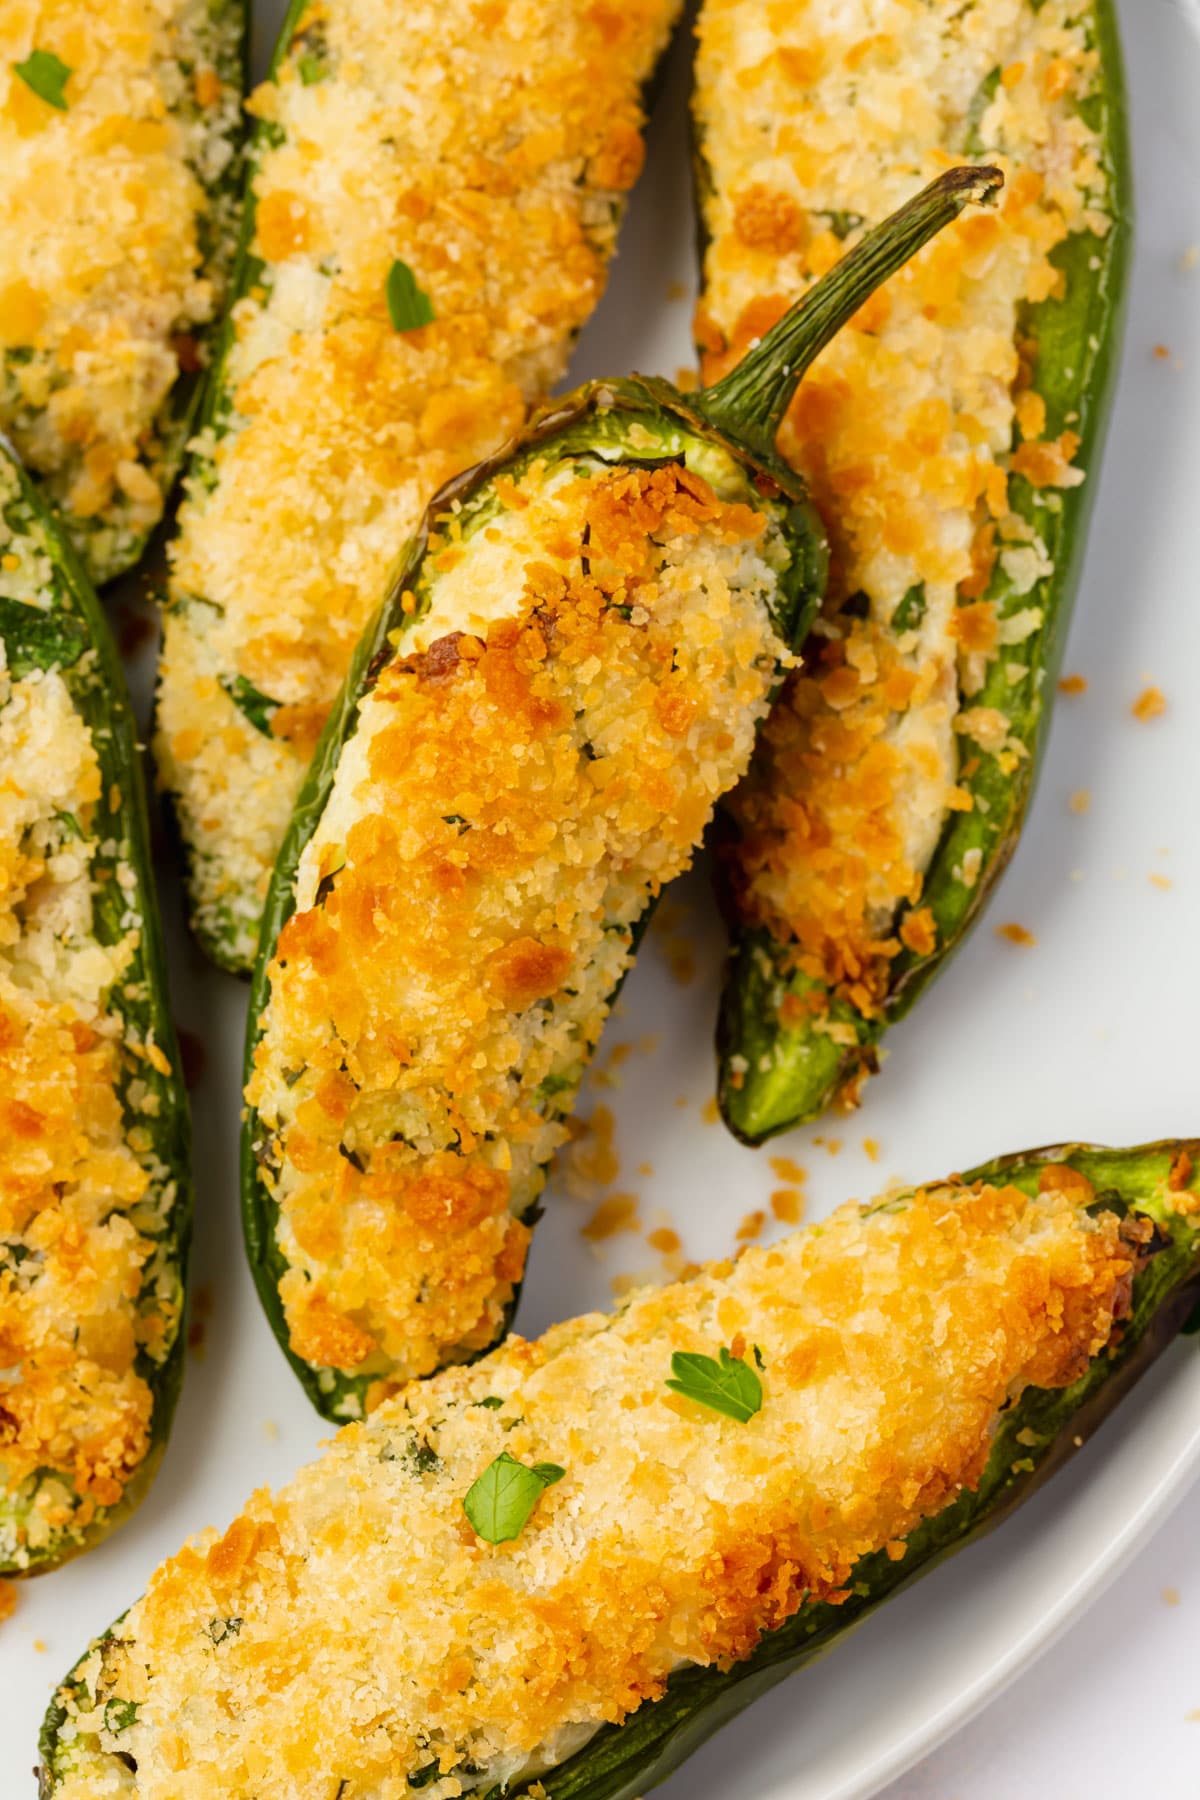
[(1091, 1034)]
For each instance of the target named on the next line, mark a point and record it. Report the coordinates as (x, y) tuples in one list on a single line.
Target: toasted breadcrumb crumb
[(1151, 703), (617, 1213), (787, 1204)]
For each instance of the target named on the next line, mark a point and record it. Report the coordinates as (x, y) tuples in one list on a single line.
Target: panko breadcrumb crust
[(910, 429), (512, 798), (488, 146), (115, 234), (88, 1308), (353, 1628)]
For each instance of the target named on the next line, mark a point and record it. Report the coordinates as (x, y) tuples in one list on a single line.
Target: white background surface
[(1092, 1033)]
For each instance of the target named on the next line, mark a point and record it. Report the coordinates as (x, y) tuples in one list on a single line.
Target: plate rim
[(1023, 1650)]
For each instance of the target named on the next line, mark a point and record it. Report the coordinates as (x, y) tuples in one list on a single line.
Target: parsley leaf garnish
[(312, 69), (46, 76), (501, 1500), (119, 1715), (259, 708), (729, 1386), (409, 306)]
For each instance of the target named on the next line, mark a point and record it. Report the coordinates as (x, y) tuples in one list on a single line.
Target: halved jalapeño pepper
[(566, 676), (557, 1572), (951, 438), (94, 1159)]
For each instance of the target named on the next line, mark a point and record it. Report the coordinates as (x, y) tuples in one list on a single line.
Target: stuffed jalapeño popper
[(567, 675)]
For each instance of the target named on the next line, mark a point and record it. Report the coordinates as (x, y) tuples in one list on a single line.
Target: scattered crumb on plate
[(1151, 703)]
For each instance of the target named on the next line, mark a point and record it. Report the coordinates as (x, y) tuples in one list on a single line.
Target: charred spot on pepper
[(326, 885)]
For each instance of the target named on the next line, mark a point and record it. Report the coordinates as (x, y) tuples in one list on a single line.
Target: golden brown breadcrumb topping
[(486, 144), (113, 239), (354, 1627), (83, 1194), (815, 121), (510, 802)]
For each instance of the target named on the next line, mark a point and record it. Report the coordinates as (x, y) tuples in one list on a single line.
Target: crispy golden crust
[(103, 220), (488, 144), (80, 1185), (511, 800), (377, 1635), (906, 429)]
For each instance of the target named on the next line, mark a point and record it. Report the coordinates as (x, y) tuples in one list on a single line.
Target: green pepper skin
[(772, 1077), (625, 1761), (622, 422), (86, 658)]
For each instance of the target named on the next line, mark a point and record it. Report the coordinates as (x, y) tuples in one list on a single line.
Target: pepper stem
[(748, 404)]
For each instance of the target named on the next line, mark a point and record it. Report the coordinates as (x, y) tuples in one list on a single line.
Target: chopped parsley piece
[(843, 223), (493, 1402), (409, 306), (501, 1500), (46, 76), (259, 708), (220, 1629), (729, 1386), (37, 640), (557, 1084), (910, 610), (421, 1456), (119, 1715)]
